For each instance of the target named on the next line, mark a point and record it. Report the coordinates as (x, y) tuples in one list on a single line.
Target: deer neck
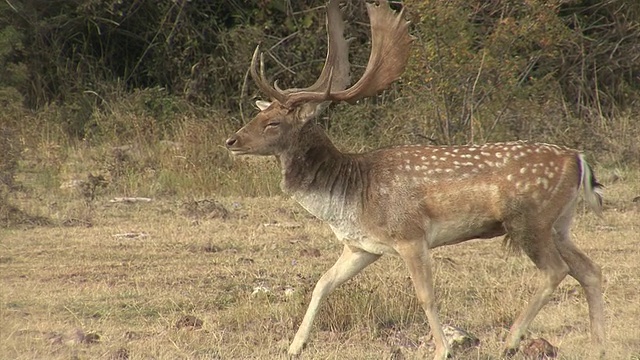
[(325, 181)]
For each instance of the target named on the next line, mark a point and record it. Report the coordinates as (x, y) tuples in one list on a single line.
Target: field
[(129, 231), (230, 278)]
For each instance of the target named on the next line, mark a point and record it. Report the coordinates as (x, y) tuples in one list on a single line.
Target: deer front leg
[(350, 263), (416, 256)]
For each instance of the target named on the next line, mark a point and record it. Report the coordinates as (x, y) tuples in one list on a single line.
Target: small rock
[(189, 322), (289, 291), (457, 338), (81, 337), (313, 252), (260, 290), (539, 349), (91, 338)]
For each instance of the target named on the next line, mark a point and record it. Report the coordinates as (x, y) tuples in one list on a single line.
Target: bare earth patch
[(230, 278)]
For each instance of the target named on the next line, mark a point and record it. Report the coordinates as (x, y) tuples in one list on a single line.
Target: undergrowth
[(132, 149)]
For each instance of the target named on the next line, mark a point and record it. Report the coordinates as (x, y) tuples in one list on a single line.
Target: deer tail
[(592, 188)]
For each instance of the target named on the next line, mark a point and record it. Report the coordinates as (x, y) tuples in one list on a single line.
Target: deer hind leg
[(350, 263), (588, 275), (417, 259), (538, 244)]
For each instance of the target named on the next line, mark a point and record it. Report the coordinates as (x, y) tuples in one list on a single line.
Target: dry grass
[(78, 291)]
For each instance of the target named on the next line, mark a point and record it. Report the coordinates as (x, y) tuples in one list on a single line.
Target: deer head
[(279, 122)]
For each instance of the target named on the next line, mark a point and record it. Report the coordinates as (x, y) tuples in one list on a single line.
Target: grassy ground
[(230, 278)]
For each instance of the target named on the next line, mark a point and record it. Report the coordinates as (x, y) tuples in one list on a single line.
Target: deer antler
[(335, 73), (390, 46), (261, 80)]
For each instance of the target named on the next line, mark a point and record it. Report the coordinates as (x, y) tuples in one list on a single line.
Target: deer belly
[(453, 232), (351, 235)]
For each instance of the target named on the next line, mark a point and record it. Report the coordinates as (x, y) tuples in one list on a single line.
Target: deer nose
[(230, 141)]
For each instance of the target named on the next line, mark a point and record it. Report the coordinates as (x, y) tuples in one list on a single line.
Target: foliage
[(60, 51), (469, 52), (486, 64), (99, 75)]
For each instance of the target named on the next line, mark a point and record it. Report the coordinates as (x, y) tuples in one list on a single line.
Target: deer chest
[(344, 220)]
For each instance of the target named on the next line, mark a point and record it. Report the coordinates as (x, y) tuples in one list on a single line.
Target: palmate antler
[(390, 45)]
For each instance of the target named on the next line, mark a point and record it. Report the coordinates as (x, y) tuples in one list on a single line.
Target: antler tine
[(390, 45), (337, 59), (336, 63), (261, 79)]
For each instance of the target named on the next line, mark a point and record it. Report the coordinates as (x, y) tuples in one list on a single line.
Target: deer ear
[(262, 105), (308, 111)]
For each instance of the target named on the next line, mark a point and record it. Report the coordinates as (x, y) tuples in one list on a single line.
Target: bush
[(490, 70), (106, 74)]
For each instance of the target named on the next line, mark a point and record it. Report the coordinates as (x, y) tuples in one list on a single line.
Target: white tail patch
[(592, 189)]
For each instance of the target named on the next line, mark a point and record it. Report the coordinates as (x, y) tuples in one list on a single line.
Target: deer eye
[(273, 124)]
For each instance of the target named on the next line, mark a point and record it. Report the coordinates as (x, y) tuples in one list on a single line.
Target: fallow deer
[(406, 200)]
